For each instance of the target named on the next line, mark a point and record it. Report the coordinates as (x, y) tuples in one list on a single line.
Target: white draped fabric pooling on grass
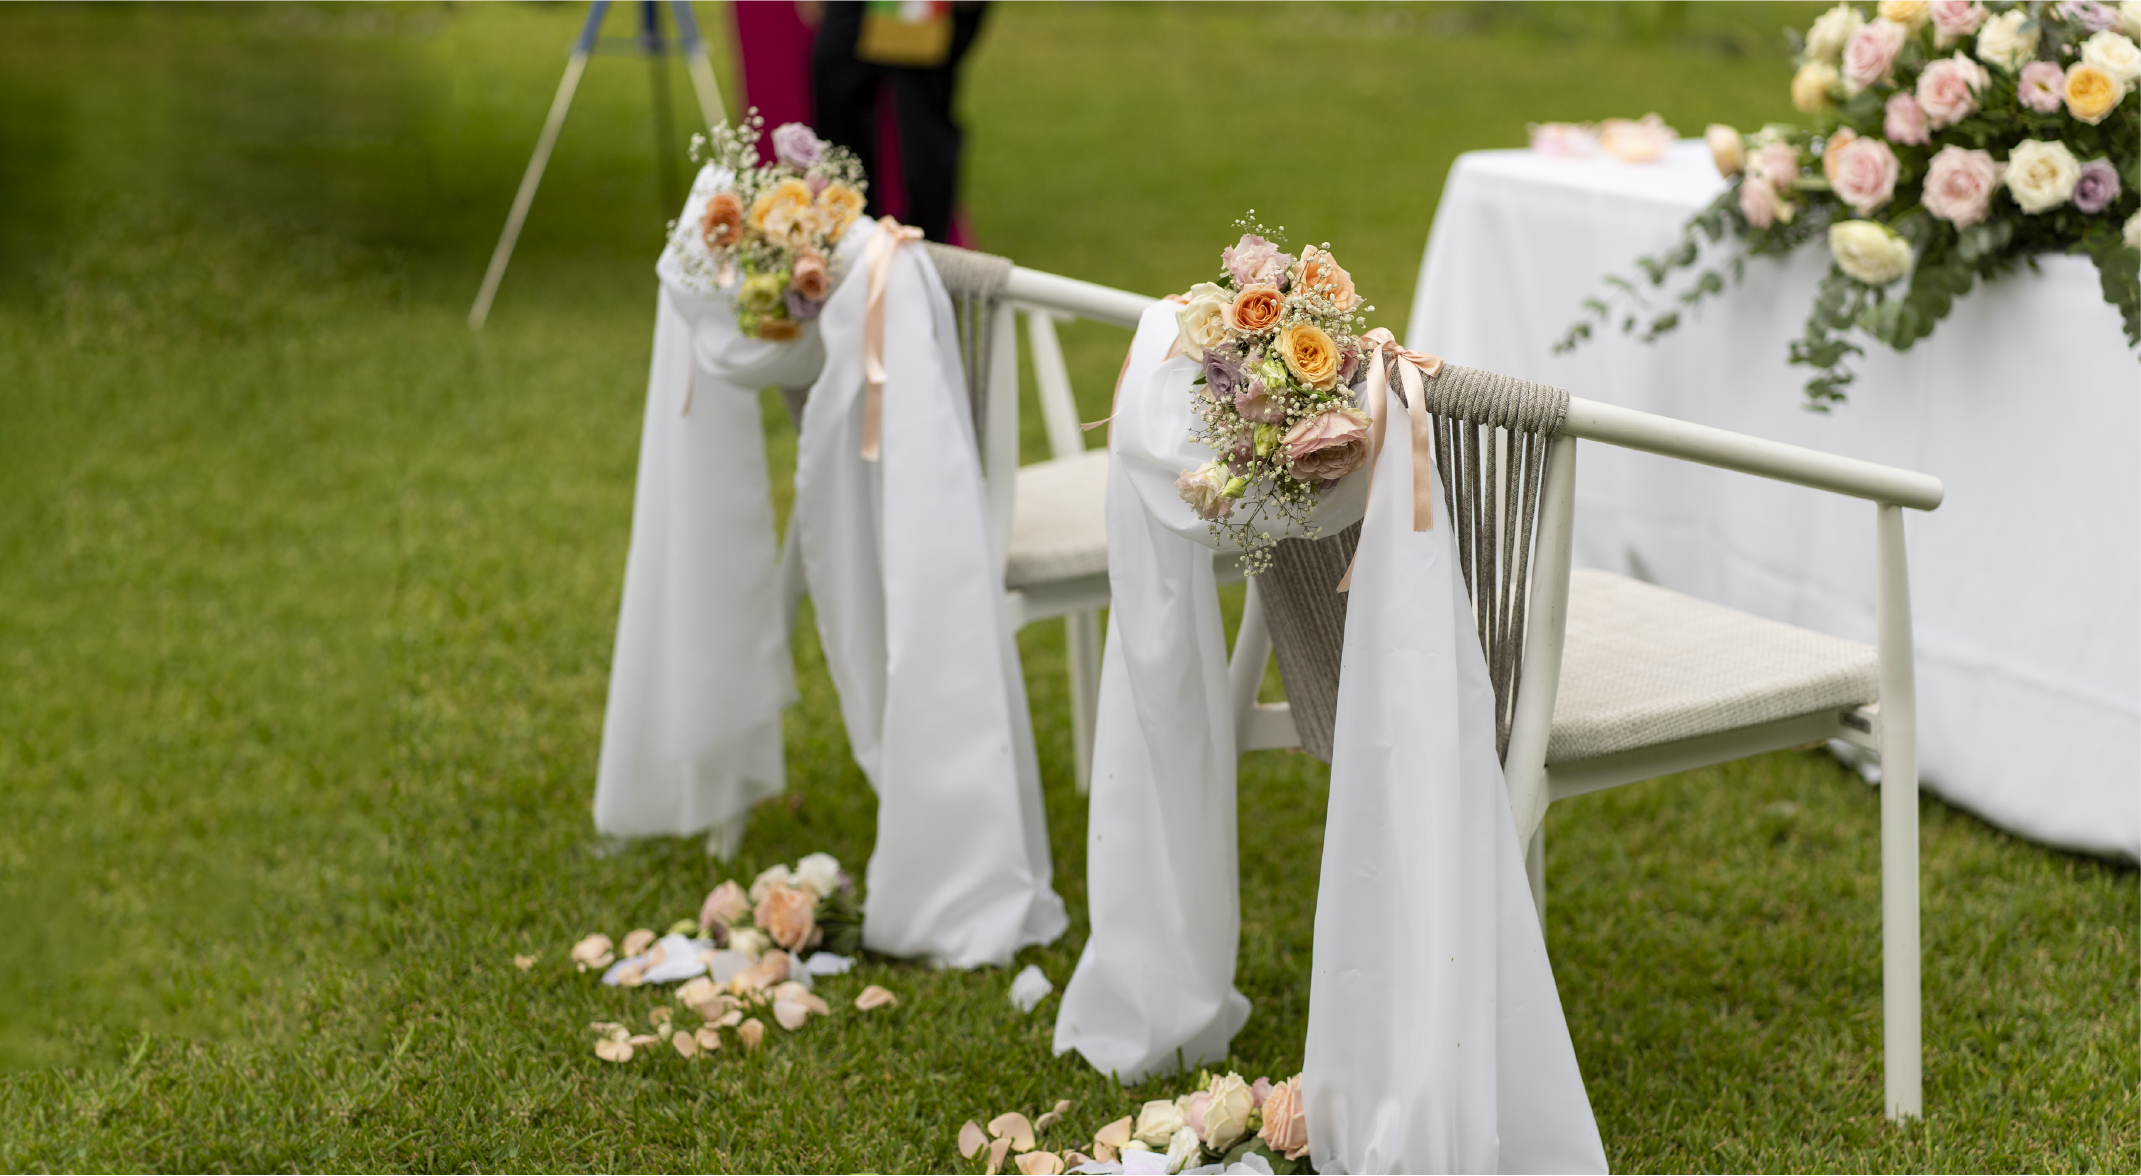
[(691, 736), (917, 635), (2026, 402)]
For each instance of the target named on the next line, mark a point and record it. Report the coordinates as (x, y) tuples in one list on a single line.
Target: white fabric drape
[(1436, 1041), (910, 607), (691, 737), (1155, 982)]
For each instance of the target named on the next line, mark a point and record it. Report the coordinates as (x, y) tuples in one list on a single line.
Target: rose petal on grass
[(659, 1015), (524, 962), (592, 951), (790, 990), (1048, 1119), (695, 992), (641, 1039), (1015, 1127), (1076, 1159), (875, 996), (1103, 1153), (1039, 1163), (708, 1037), (997, 1152), (638, 941), (751, 1032), (731, 1018), (1114, 1135), (685, 1045), (971, 1139), (613, 1051), (790, 1015)]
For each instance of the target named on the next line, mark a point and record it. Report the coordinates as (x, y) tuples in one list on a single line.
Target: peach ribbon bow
[(1411, 365), (891, 235)]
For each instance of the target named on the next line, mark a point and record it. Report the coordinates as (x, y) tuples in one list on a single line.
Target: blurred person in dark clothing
[(910, 50)]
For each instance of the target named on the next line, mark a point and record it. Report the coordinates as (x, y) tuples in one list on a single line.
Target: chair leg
[(1901, 1044), (1081, 632), (1535, 873)]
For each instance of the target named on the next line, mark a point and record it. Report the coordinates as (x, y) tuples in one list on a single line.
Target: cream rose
[(1869, 251), (838, 206), (820, 872), (1157, 1122), (2092, 93), (1285, 1120), (2132, 234), (1728, 150), (1812, 85), (1226, 1112), (1205, 489), (2130, 18), (2041, 175), (2115, 55), (2003, 42), (1310, 355), (1909, 13), (1636, 140), (1831, 32), (769, 878), (1203, 319)]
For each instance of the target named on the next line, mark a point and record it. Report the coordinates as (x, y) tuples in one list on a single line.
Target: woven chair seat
[(1059, 522), (1644, 666)]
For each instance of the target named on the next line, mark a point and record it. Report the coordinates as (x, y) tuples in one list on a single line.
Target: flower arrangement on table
[(747, 952), (1227, 1125), (1951, 141), (1278, 339), (770, 238)]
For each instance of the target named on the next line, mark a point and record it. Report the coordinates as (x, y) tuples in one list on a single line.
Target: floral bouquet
[(769, 239), (786, 915), (1278, 340), (1226, 1125), (1951, 141)]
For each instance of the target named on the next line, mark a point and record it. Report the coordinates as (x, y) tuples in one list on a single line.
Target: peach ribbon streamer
[(890, 237), (1411, 366)]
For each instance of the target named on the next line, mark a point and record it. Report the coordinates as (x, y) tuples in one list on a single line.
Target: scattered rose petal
[(656, 956), (613, 1051), (1076, 1159), (1015, 1127), (639, 1039), (638, 941), (790, 1015), (770, 970), (1114, 1135), (658, 1015), (971, 1139), (708, 1037), (1103, 1153), (695, 992), (1046, 1121), (730, 1018), (997, 1152), (523, 962), (875, 996), (631, 976), (686, 1045), (610, 1029), (790, 990), (750, 1032), (664, 1029), (1062, 1107), (593, 952), (1039, 1163)]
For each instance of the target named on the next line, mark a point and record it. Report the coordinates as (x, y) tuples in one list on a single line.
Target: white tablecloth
[(2026, 583)]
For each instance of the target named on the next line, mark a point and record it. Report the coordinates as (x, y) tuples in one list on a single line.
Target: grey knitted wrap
[(975, 282)]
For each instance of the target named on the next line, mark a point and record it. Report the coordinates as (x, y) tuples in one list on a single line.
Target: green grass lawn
[(307, 594)]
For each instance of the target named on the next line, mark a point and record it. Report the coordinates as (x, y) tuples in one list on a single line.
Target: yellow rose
[(2092, 93), (1311, 355), (1812, 85), (777, 208), (1908, 13), (838, 206)]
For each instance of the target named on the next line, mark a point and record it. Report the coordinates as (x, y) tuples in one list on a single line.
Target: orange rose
[(722, 226), (1320, 272), (774, 330), (1255, 309), (810, 277), (1310, 354), (789, 914), (1285, 1120)]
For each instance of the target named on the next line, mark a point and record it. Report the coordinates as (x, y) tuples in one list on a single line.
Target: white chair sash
[(691, 737), (1436, 1041), (910, 607)]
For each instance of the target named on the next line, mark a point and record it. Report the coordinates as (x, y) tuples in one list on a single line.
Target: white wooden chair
[(1601, 680)]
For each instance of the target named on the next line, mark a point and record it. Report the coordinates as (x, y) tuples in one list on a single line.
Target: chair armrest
[(1054, 292), (1644, 431)]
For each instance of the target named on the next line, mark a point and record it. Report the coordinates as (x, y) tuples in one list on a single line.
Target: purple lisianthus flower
[(2089, 14), (2097, 186), (801, 309), (1348, 364), (1222, 372), (796, 146), (2042, 86), (1255, 402)]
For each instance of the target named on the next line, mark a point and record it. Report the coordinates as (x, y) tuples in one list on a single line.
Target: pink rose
[(725, 904), (1866, 173), (1255, 402), (1906, 121), (2043, 87), (1255, 262), (1329, 445), (1193, 1111), (1770, 172), (1872, 53), (1947, 90), (1259, 1090), (1285, 1120), (1959, 185), (1760, 205), (1953, 19)]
